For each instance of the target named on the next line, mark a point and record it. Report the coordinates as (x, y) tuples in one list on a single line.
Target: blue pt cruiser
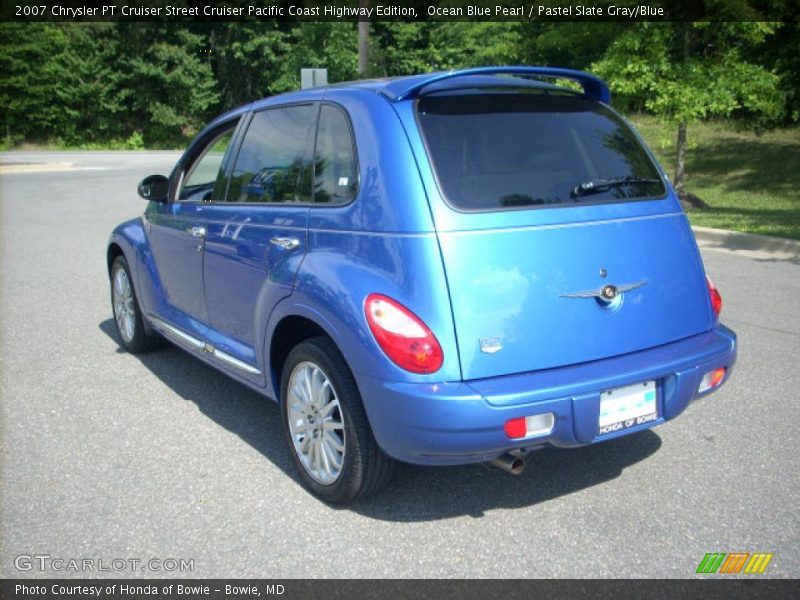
[(441, 269)]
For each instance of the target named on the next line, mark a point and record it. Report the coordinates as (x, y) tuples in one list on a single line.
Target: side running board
[(194, 343)]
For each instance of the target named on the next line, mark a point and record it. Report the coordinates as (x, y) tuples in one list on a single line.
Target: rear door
[(256, 239), (561, 241)]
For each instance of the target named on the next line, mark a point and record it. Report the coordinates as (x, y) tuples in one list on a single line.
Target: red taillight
[(711, 380), (402, 335), (716, 299), (716, 376), (530, 426), (516, 428)]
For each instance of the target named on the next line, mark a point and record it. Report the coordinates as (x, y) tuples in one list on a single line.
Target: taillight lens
[(404, 338), (515, 428), (521, 427), (716, 299), (711, 380)]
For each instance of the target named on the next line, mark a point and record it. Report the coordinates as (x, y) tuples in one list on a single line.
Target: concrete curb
[(7, 169), (748, 244)]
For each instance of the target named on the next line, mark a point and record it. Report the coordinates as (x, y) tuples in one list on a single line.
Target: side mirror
[(154, 187)]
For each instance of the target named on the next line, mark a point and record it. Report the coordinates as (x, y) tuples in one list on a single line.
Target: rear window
[(499, 151)]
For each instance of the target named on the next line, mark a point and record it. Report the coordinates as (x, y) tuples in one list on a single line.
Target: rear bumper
[(458, 423)]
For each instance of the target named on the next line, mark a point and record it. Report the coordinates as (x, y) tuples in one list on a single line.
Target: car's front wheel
[(326, 427), (133, 334)]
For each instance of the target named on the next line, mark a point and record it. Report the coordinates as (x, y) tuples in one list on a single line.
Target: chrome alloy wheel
[(123, 305), (316, 423)]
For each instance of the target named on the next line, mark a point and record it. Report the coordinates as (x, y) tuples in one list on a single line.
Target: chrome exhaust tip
[(509, 463)]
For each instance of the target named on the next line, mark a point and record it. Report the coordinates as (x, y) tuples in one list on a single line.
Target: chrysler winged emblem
[(606, 293)]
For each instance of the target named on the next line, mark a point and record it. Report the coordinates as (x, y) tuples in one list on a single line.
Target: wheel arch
[(129, 239), (290, 330), (114, 250)]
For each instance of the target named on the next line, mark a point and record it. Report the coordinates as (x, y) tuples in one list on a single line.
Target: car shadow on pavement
[(432, 493), (414, 493)]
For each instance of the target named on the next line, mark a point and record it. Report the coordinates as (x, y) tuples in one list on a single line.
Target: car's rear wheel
[(326, 427), (133, 334)]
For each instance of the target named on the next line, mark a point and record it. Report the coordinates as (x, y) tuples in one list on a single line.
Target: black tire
[(143, 338), (365, 468)]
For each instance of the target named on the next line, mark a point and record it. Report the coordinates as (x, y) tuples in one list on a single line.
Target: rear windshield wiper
[(602, 185)]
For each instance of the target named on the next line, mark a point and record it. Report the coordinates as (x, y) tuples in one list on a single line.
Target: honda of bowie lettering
[(441, 269)]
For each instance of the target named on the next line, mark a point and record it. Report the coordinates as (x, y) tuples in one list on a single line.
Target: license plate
[(627, 407)]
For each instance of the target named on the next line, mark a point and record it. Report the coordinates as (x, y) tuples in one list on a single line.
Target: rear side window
[(336, 169), (273, 165), (499, 151)]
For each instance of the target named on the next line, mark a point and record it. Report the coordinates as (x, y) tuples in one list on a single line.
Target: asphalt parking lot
[(109, 456)]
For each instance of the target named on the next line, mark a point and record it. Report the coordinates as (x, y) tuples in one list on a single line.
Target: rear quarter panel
[(341, 270)]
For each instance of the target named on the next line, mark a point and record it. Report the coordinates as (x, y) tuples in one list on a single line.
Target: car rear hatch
[(561, 240)]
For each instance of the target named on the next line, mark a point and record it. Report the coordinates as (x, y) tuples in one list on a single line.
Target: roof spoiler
[(410, 87)]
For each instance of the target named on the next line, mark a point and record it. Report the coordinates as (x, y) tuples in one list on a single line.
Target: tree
[(572, 45), (462, 44), (59, 82), (86, 89), (29, 72), (780, 54), (397, 47), (685, 72), (416, 47), (248, 59), (330, 45), (167, 81)]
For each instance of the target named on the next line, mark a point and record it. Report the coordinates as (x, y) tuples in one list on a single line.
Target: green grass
[(134, 142), (750, 182)]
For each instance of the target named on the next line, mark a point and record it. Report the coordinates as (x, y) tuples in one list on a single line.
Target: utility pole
[(363, 41)]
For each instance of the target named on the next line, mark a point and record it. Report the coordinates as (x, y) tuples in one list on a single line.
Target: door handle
[(197, 231), (285, 242)]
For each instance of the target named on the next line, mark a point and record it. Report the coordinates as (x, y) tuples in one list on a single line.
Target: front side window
[(205, 178), (508, 150), (273, 165), (335, 166)]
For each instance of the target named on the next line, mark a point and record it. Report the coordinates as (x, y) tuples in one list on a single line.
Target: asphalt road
[(107, 455)]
